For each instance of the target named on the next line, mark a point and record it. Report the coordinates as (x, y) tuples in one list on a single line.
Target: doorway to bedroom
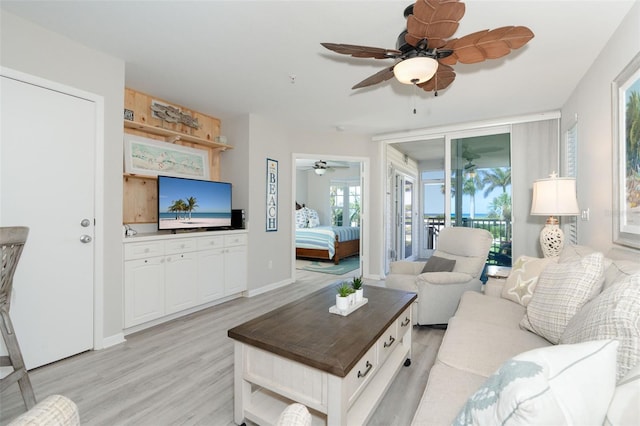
[(329, 215)]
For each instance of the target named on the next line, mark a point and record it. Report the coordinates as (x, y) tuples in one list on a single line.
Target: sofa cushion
[(439, 264), (491, 310), (564, 384), (562, 289), (480, 348), (624, 408), (447, 390), (613, 314), (619, 270), (523, 278)]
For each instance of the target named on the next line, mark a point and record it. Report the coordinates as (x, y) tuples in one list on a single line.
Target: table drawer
[(210, 242), (388, 342), (180, 246), (235, 240), (361, 373), (142, 250)]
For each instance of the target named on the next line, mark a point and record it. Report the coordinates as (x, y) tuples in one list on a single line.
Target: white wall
[(266, 139), (591, 101), (33, 50)]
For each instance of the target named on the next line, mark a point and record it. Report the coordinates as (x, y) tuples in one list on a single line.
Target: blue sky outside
[(212, 197)]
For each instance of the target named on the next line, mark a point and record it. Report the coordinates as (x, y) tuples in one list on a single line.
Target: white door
[(47, 171)]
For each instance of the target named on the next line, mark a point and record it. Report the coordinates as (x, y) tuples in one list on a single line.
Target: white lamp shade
[(319, 171), (415, 70), (555, 197)]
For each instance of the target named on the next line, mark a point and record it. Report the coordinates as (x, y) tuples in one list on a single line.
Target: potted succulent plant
[(356, 284), (343, 298)]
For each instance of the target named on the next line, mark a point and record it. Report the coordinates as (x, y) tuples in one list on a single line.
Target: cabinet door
[(180, 282), (210, 275), (235, 269), (143, 290)]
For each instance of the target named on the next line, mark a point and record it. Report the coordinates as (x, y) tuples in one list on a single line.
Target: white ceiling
[(229, 58)]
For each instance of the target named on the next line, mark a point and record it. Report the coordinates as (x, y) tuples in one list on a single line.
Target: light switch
[(585, 215)]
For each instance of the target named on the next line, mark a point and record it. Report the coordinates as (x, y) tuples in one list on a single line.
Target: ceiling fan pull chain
[(414, 96)]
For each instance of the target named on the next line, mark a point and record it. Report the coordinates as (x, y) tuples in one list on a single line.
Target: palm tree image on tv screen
[(193, 204)]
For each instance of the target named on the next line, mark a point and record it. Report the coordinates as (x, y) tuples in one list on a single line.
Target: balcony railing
[(500, 253)]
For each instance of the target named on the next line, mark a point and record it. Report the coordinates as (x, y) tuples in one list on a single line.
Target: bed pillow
[(439, 264), (562, 289), (301, 218), (523, 278), (554, 385), (314, 219), (613, 314)]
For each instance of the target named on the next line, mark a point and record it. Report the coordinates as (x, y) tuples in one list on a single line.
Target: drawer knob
[(405, 322), (390, 342), (368, 368)]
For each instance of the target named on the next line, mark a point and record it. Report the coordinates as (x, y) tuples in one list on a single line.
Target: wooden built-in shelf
[(173, 136), (140, 192)]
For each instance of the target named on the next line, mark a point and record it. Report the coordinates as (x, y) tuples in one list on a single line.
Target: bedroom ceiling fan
[(320, 167), (424, 52)]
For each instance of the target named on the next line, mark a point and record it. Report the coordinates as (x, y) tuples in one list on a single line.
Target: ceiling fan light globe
[(415, 70), (319, 171)]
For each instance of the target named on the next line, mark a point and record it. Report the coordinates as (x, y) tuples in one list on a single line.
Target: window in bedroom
[(345, 203)]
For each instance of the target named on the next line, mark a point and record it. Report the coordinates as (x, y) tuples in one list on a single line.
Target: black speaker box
[(237, 219)]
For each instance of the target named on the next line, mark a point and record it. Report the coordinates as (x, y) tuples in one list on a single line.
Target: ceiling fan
[(320, 167), (424, 51)]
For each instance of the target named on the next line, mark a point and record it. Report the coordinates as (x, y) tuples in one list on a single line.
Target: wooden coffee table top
[(305, 331)]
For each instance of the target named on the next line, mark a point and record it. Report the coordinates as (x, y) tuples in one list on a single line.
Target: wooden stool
[(12, 241)]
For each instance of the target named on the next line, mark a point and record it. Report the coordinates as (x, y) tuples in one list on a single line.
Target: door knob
[(85, 223), (85, 239)]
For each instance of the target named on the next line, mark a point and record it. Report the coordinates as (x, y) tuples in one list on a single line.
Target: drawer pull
[(405, 322), (391, 340), (369, 367)]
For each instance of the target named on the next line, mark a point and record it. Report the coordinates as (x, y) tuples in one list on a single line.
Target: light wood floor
[(181, 372)]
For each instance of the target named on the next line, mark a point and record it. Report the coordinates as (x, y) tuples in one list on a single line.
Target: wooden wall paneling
[(140, 199), (140, 192)]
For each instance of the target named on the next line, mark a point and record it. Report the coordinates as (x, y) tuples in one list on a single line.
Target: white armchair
[(439, 292)]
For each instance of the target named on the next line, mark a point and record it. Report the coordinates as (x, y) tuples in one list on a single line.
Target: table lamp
[(552, 197)]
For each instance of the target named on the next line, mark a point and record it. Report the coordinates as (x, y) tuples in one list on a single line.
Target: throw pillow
[(565, 384), (562, 289), (523, 278), (439, 264), (614, 314), (301, 218), (624, 408), (314, 219)]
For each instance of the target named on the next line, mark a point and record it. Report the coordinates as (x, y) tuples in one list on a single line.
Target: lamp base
[(551, 240)]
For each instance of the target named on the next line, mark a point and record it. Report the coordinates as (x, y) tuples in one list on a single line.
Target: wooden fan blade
[(362, 51), (376, 78), (441, 80), (486, 44), (435, 20)]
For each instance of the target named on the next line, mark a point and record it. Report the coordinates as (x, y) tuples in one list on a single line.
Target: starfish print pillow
[(523, 278)]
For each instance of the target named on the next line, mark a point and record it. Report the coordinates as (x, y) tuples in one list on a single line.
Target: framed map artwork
[(149, 157)]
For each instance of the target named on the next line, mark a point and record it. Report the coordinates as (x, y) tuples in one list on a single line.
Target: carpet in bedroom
[(346, 265)]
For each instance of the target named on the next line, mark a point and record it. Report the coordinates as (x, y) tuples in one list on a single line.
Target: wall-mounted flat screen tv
[(191, 204)]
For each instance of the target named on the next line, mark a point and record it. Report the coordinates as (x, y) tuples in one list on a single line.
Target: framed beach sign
[(272, 195), (149, 157), (626, 142)]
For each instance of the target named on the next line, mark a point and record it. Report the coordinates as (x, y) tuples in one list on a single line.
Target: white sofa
[(485, 332)]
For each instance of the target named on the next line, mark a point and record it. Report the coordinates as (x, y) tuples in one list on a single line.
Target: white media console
[(170, 275)]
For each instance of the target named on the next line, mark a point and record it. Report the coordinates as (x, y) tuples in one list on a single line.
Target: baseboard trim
[(116, 339), (257, 291)]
